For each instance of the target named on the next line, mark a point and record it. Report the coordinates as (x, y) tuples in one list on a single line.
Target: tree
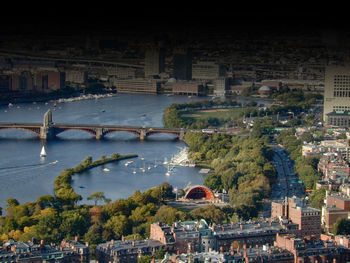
[(74, 223), (118, 225), (98, 196), (341, 227), (12, 202), (317, 198)]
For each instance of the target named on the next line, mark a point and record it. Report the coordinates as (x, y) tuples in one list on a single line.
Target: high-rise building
[(182, 67), (336, 109), (205, 70), (154, 61)]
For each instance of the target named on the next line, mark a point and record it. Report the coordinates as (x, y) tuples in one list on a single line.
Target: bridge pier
[(182, 135), (47, 133), (99, 133), (143, 134)]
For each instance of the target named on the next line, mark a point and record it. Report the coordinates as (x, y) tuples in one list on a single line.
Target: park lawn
[(222, 114)]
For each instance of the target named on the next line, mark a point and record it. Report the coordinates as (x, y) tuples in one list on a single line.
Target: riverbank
[(62, 184)]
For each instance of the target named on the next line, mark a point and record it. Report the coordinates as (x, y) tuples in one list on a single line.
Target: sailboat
[(43, 152), (168, 171)]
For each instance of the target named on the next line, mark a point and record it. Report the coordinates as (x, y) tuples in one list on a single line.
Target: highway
[(287, 182)]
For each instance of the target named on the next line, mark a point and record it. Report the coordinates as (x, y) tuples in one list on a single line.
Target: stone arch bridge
[(49, 130)]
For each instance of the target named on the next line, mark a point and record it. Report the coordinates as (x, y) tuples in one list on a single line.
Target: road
[(287, 183)]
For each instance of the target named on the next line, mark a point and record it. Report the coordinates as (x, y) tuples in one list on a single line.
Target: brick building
[(336, 206), (313, 249), (31, 252), (129, 251), (294, 209)]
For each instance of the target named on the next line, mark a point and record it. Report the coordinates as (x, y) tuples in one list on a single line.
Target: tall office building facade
[(182, 67), (154, 61), (336, 109)]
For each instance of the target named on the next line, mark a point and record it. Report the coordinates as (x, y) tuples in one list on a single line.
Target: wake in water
[(28, 165)]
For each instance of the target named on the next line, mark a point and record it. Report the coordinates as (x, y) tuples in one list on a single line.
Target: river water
[(25, 176)]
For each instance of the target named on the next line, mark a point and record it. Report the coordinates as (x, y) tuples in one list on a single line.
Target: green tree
[(74, 223), (98, 197), (12, 202), (341, 227), (317, 198), (118, 225)]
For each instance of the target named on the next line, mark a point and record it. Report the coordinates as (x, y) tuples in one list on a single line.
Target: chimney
[(87, 244), (123, 238), (133, 243), (244, 246), (259, 225), (76, 238), (41, 242), (241, 227), (112, 241), (223, 228)]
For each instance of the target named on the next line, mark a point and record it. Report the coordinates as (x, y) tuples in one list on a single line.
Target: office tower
[(182, 67), (154, 61), (337, 96)]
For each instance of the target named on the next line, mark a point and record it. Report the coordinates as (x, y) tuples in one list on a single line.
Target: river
[(25, 176)]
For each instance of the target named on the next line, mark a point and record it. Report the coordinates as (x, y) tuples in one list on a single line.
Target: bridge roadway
[(98, 131)]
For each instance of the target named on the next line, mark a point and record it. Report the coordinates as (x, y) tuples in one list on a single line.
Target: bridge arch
[(150, 133), (199, 192), (113, 131), (34, 131), (90, 131)]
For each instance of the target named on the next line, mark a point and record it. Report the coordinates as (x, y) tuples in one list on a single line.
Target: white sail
[(43, 152)]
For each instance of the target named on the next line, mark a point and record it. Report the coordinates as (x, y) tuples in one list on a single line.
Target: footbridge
[(49, 130)]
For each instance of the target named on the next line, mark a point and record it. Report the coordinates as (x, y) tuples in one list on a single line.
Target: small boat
[(165, 161), (142, 158), (149, 167), (43, 152), (106, 170), (81, 186), (168, 172), (54, 162), (127, 163), (134, 172)]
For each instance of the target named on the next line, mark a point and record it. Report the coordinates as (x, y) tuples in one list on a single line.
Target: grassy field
[(223, 114)]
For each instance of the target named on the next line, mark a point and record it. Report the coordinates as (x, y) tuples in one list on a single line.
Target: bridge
[(49, 130)]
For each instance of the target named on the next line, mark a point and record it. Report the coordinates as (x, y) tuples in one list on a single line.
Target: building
[(5, 83), (137, 85), (199, 237), (205, 71), (336, 206), (182, 64), (339, 118), (307, 219), (313, 249), (221, 85), (129, 251), (336, 94), (154, 62), (188, 88), (334, 167), (76, 77), (181, 236), (31, 252), (240, 255), (264, 90)]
